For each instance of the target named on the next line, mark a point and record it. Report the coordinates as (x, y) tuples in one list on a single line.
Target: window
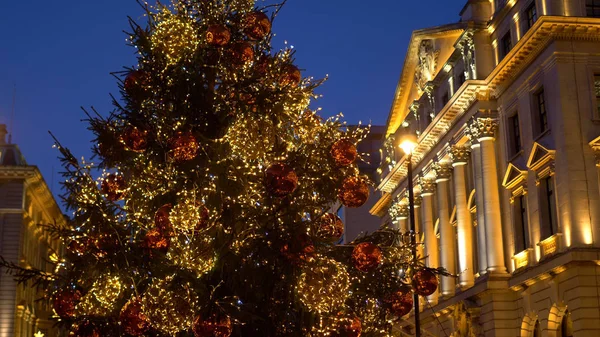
[(592, 8), (542, 114), (500, 4), (566, 325), (514, 134), (548, 207), (506, 45), (597, 92), (530, 17), (520, 222)]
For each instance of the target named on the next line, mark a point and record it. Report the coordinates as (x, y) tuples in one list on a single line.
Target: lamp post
[(408, 145)]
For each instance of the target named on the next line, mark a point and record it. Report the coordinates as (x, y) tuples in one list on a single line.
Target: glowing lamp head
[(408, 144)]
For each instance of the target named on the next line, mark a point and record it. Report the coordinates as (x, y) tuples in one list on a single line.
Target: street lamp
[(408, 144)]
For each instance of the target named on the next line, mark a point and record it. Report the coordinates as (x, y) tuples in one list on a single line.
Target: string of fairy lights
[(211, 215)]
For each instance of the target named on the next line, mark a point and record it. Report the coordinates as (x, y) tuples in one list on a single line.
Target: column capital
[(460, 154), (443, 171), (483, 128), (596, 148), (427, 186)]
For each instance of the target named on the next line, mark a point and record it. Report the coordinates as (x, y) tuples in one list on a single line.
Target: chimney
[(3, 133)]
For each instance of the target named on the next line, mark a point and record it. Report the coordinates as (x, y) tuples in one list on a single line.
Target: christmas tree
[(211, 213)]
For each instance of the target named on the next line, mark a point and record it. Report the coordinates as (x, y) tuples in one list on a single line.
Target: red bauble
[(330, 227), (79, 246), (257, 25), (354, 192), (290, 75), (241, 53), (113, 187), (183, 147), (64, 302), (155, 240), (204, 216), (103, 244), (132, 319), (424, 282), (261, 67), (299, 250), (344, 152), (400, 302), (84, 329), (349, 328), (280, 180), (213, 327), (218, 35), (366, 256), (135, 139), (135, 81), (161, 218)]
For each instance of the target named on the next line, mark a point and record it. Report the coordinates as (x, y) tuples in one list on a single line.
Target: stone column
[(447, 239), (460, 157), (479, 195), (431, 244), (486, 128)]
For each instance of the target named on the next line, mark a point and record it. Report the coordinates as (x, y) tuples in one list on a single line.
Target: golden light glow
[(169, 305), (323, 285), (175, 37), (408, 143)]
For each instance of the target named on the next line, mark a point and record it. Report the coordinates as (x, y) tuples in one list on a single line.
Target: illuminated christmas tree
[(211, 213)]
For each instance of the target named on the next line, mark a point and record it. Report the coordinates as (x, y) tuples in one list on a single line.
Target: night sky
[(60, 54)]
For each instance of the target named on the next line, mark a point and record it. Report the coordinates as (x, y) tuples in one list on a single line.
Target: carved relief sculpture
[(427, 64), (467, 49)]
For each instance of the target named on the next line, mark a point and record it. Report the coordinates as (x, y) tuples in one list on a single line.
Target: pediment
[(513, 177), (539, 156)]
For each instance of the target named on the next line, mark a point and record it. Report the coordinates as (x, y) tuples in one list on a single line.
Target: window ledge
[(550, 245), (523, 259)]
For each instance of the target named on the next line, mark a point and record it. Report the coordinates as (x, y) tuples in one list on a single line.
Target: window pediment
[(540, 157), (513, 177)]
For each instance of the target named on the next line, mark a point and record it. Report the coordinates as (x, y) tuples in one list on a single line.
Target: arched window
[(566, 326), (537, 330)]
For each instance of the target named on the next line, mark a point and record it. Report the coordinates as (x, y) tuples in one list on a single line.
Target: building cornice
[(545, 30), (381, 205)]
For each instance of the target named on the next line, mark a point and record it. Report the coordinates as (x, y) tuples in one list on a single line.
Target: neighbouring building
[(25, 202), (359, 220), (506, 108)]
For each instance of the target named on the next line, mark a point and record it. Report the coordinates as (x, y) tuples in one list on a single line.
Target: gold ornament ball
[(280, 180), (113, 187), (183, 147), (323, 285), (257, 25), (424, 282), (354, 192), (344, 152), (169, 305), (366, 256), (218, 35)]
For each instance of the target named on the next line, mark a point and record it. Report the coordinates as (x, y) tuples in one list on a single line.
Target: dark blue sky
[(60, 55)]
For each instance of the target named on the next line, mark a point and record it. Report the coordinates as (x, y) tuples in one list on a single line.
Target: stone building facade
[(25, 203), (506, 108)]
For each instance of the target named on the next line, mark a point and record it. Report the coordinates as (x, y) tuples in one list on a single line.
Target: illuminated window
[(505, 44), (548, 207), (597, 92), (566, 325), (514, 134), (592, 8), (541, 117), (530, 17), (520, 222)]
